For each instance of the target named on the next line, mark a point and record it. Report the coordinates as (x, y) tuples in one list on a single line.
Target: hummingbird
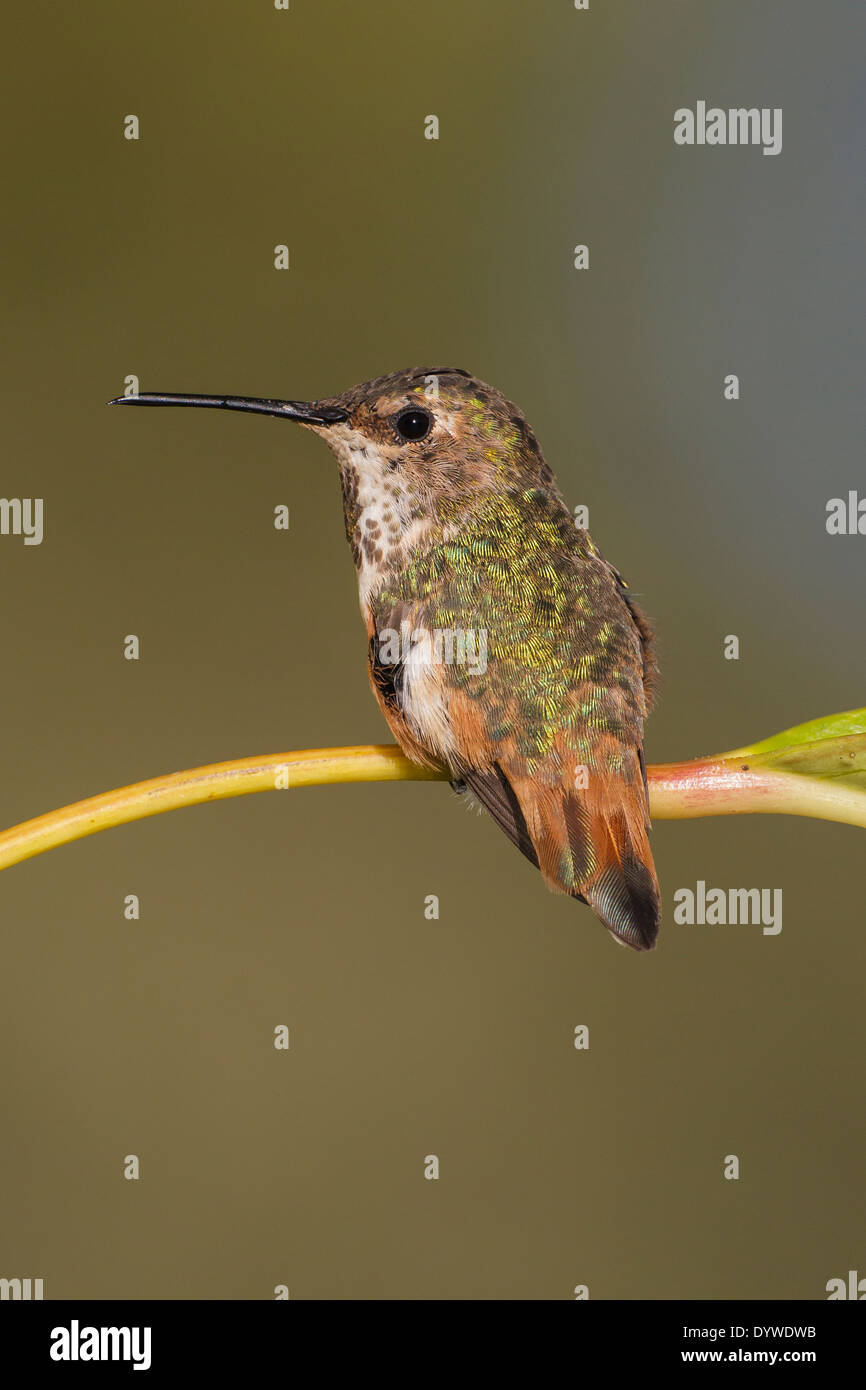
[(459, 531)]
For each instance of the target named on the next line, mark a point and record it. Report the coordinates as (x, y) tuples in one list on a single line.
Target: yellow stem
[(214, 782), (712, 786)]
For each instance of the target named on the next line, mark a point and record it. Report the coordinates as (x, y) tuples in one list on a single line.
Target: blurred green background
[(412, 1037)]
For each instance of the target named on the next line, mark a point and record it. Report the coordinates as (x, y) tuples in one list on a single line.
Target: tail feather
[(625, 893), (596, 848), (591, 844)]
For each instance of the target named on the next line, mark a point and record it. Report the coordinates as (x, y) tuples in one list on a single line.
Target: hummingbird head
[(417, 449)]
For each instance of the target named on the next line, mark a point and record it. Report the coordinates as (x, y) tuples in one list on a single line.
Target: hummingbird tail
[(597, 849), (593, 847), (624, 892)]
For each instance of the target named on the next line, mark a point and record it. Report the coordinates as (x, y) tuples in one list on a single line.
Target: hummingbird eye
[(413, 424)]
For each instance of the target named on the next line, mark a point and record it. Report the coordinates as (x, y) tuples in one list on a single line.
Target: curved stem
[(704, 787), (214, 782)]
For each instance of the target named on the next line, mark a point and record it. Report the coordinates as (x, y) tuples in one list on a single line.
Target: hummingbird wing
[(545, 724), (493, 789)]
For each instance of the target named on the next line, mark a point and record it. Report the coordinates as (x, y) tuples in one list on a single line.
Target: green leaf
[(830, 748)]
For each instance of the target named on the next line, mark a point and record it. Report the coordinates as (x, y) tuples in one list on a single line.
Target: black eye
[(413, 424)]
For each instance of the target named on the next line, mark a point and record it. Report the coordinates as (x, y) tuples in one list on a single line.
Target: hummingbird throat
[(384, 517)]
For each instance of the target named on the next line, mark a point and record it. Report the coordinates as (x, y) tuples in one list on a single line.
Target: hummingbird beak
[(305, 412)]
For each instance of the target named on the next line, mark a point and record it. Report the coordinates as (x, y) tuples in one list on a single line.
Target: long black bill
[(306, 412)]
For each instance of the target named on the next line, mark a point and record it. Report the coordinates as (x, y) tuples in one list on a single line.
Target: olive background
[(410, 1037)]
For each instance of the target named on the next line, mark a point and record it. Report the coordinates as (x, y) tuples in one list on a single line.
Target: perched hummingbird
[(457, 526)]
